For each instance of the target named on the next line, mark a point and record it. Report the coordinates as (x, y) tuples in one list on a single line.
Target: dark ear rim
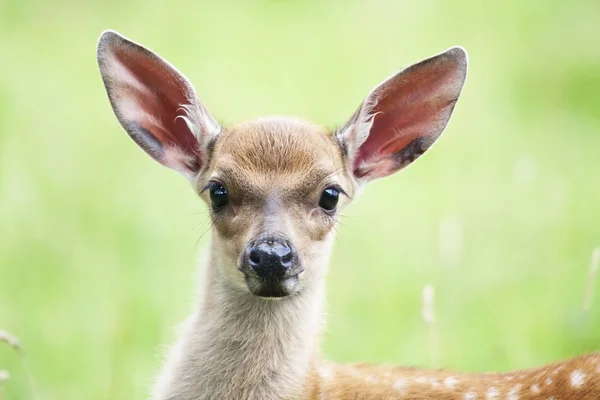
[(363, 114)]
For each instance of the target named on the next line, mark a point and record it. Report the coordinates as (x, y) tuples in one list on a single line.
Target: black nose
[(271, 257)]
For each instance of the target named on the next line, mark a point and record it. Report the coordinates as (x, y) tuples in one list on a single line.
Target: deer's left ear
[(156, 105), (402, 117)]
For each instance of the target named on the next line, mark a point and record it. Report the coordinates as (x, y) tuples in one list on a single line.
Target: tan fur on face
[(275, 170)]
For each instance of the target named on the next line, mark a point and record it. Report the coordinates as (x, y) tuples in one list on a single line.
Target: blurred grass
[(98, 243)]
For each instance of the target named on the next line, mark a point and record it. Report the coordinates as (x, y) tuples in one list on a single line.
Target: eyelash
[(336, 187), (210, 185)]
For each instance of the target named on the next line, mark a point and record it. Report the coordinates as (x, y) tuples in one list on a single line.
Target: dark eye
[(218, 195), (329, 199)]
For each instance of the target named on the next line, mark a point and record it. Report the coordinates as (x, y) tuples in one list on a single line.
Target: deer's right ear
[(156, 105), (403, 116)]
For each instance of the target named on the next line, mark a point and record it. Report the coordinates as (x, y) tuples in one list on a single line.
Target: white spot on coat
[(471, 396), (535, 388), (400, 384), (450, 382), (577, 378), (492, 393), (514, 392)]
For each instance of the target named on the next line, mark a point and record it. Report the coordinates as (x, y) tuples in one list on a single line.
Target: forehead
[(276, 151)]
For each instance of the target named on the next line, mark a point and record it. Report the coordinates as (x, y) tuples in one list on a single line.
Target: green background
[(99, 244)]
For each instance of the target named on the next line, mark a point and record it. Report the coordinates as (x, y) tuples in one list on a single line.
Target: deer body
[(241, 349), (274, 186)]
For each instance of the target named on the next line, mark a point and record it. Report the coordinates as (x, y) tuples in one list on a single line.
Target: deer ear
[(156, 105), (402, 117)]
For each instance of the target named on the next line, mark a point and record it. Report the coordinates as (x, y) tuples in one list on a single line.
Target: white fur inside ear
[(128, 106), (357, 133), (199, 121), (179, 160), (120, 73), (131, 110)]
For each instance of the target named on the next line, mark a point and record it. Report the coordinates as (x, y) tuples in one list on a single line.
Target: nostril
[(255, 257), (283, 252), (287, 256)]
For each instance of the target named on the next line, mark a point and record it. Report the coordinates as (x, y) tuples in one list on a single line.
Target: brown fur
[(367, 382), (268, 166)]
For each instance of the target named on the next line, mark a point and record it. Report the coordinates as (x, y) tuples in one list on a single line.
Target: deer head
[(275, 185)]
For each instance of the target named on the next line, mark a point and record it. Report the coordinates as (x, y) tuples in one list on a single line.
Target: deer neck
[(240, 346)]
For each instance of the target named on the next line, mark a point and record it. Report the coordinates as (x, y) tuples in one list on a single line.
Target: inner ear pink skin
[(160, 95), (155, 104), (409, 112)]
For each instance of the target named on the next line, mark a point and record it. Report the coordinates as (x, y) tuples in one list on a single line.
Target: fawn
[(273, 186)]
